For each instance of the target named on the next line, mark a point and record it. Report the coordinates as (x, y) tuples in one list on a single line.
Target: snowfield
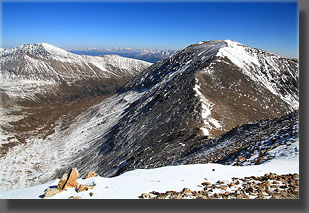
[(132, 184)]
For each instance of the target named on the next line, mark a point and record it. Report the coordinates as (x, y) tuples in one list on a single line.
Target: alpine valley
[(213, 102)]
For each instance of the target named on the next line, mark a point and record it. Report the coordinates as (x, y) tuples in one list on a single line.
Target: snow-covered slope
[(131, 185)]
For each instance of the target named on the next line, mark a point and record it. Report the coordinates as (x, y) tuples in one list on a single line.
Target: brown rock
[(262, 152), (250, 189), (155, 193), (83, 188), (260, 196), (275, 182), (275, 196), (186, 191), (72, 179), (171, 193), (216, 195), (272, 175), (51, 192), (202, 197), (262, 186), (144, 195), (161, 196), (224, 187), (73, 197), (206, 184), (91, 174), (268, 191), (241, 158), (62, 181), (194, 193), (246, 196), (231, 184), (239, 197)]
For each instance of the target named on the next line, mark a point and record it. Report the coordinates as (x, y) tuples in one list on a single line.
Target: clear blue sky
[(167, 25)]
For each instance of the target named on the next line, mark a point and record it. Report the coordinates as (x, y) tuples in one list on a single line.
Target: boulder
[(73, 197), (91, 174), (72, 179), (206, 183), (83, 188), (51, 192), (62, 181), (186, 191)]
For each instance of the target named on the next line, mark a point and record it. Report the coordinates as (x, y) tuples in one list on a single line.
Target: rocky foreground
[(268, 186)]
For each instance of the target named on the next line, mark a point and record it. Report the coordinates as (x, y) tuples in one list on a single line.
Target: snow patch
[(209, 122)]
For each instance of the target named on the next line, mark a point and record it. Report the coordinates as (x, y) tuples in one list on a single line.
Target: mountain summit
[(42, 49)]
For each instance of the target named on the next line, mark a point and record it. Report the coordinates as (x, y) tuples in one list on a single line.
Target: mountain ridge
[(197, 94)]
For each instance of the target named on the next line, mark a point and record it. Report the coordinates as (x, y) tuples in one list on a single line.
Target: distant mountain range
[(142, 54), (215, 101)]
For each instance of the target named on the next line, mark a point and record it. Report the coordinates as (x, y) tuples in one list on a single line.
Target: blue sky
[(272, 26)]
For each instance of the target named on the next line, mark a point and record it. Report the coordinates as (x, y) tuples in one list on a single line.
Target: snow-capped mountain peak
[(42, 49)]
